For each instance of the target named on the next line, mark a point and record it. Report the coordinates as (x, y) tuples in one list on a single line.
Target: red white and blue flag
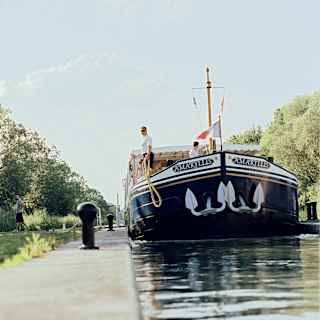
[(214, 131)]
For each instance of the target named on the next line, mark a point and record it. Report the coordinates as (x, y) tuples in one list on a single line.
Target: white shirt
[(146, 141), (194, 153)]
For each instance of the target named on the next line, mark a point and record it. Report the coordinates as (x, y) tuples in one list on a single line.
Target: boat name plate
[(190, 165), (251, 162)]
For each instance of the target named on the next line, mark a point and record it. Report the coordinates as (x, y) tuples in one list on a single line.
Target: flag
[(221, 105), (213, 131)]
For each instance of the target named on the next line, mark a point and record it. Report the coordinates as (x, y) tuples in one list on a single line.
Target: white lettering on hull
[(193, 165)]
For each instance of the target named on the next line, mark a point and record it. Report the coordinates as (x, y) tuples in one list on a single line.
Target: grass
[(39, 220), (16, 248)]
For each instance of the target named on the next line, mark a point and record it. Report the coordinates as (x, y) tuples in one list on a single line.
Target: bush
[(7, 220), (34, 248), (69, 220), (40, 220)]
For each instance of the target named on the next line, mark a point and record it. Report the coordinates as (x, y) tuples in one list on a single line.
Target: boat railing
[(162, 160)]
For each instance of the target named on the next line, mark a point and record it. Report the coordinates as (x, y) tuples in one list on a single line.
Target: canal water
[(247, 279)]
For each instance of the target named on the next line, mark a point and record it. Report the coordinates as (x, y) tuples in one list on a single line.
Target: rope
[(152, 188), (77, 224)]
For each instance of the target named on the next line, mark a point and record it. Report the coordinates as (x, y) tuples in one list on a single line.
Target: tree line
[(33, 169), (293, 140)]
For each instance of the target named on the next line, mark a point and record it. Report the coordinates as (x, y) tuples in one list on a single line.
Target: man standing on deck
[(146, 145), (194, 152)]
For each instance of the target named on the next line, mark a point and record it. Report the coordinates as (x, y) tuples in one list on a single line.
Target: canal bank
[(309, 227), (73, 284)]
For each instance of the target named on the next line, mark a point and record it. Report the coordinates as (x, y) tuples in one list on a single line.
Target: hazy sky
[(87, 74)]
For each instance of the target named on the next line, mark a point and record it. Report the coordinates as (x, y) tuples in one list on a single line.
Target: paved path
[(73, 284)]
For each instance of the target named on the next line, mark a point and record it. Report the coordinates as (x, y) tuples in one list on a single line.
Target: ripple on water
[(271, 278)]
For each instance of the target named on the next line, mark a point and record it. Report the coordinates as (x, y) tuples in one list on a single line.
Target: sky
[(87, 74)]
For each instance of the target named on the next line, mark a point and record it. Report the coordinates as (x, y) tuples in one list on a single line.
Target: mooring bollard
[(110, 218), (312, 210), (87, 212)]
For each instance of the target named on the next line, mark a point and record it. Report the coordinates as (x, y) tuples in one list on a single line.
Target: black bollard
[(312, 210), (87, 212), (110, 222)]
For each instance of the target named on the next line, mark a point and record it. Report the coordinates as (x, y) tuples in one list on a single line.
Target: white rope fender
[(152, 188)]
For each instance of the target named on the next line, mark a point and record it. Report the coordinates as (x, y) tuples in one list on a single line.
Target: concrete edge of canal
[(137, 309), (309, 227), (69, 283)]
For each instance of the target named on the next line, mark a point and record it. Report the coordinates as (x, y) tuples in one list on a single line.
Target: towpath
[(69, 283)]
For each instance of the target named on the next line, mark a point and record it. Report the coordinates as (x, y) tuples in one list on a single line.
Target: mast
[(209, 87)]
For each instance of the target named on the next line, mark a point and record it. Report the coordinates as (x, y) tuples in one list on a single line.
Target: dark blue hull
[(217, 200)]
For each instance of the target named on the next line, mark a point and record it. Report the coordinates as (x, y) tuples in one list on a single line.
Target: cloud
[(104, 79), (91, 106)]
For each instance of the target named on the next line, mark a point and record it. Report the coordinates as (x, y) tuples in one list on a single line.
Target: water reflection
[(239, 278)]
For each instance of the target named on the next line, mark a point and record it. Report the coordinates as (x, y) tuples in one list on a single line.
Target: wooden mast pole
[(209, 87)]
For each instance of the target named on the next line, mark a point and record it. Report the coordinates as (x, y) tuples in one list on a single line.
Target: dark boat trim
[(134, 195), (261, 174), (228, 173), (142, 219), (142, 183), (262, 171), (142, 186), (174, 178), (269, 179), (263, 158), (178, 175), (149, 223)]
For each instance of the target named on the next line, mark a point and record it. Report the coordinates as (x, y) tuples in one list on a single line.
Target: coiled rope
[(153, 191)]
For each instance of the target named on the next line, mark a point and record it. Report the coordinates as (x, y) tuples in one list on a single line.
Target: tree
[(251, 136), (21, 153), (31, 168), (292, 139)]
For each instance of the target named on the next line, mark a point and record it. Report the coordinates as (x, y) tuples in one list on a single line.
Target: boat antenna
[(209, 88)]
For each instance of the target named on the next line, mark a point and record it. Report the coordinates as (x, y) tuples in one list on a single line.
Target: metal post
[(212, 146)]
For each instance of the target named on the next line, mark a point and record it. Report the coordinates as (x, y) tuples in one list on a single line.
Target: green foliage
[(10, 243), (95, 196), (41, 220), (251, 136), (15, 248), (7, 220), (70, 220), (35, 247), (31, 168), (292, 139), (21, 153)]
